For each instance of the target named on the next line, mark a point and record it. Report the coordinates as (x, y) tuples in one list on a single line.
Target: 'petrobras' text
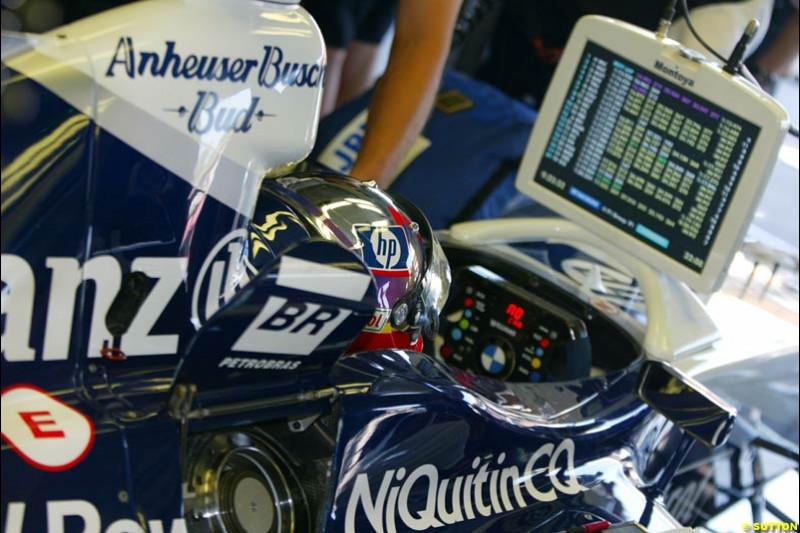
[(550, 470), (273, 69)]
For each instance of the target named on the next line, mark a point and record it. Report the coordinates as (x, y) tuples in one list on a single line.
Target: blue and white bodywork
[(174, 339)]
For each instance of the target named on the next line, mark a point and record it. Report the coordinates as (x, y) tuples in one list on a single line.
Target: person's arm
[(404, 95), (780, 55)]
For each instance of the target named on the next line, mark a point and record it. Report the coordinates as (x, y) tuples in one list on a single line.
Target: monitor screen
[(645, 154)]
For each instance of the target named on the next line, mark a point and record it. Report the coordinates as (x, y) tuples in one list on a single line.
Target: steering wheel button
[(536, 363), (545, 343), (456, 334), (539, 352), (535, 377), (464, 323)]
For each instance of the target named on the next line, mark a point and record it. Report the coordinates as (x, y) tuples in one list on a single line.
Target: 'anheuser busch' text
[(273, 69)]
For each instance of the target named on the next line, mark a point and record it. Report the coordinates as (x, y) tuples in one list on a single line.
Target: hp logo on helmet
[(383, 248)]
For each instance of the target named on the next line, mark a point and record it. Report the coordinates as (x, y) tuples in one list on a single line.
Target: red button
[(446, 351), (545, 343), (468, 302)]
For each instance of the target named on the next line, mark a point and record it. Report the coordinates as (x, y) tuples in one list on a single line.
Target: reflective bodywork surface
[(422, 450), (116, 180), (121, 162)]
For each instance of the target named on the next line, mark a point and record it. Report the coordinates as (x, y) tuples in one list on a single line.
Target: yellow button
[(536, 363)]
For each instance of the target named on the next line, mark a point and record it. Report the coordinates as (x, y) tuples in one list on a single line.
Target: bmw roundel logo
[(493, 359)]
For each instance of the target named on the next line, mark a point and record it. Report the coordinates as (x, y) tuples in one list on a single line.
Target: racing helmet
[(393, 239)]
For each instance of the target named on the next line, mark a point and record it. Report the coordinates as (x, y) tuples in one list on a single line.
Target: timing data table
[(647, 154)]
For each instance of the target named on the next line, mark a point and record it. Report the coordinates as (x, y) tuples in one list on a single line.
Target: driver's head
[(395, 242)]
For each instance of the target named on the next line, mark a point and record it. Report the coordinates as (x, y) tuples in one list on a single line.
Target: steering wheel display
[(494, 328)]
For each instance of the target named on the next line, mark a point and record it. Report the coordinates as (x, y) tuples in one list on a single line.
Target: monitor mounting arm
[(678, 323)]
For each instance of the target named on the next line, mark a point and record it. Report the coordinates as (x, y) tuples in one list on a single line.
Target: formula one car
[(198, 337)]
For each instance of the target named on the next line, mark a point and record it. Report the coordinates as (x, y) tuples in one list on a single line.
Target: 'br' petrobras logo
[(384, 248)]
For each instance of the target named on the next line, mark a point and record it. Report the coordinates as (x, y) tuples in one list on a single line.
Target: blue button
[(535, 377), (539, 352), (456, 334), (652, 236), (585, 198), (468, 313)]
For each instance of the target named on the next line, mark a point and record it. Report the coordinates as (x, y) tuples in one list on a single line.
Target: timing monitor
[(653, 148)]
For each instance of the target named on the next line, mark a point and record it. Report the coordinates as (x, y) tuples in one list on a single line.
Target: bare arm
[(404, 95)]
